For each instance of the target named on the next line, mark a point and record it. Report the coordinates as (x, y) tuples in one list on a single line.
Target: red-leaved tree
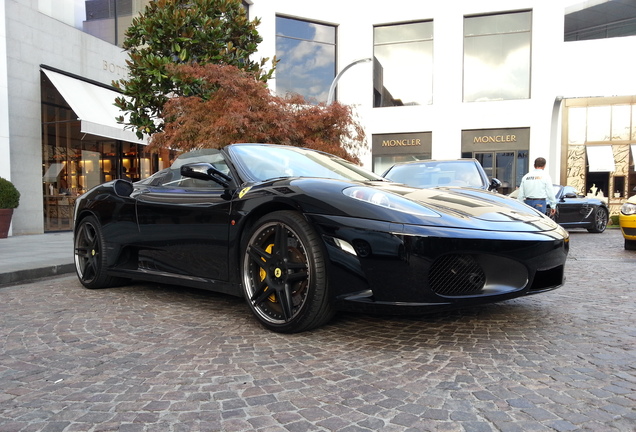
[(237, 107)]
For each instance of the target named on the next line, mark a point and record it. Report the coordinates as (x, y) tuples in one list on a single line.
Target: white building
[(504, 81)]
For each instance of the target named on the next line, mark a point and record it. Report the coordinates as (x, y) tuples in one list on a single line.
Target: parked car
[(627, 222), (302, 234), (435, 173), (575, 210)]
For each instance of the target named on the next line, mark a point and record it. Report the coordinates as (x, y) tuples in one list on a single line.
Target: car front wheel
[(284, 274), (600, 221), (630, 244)]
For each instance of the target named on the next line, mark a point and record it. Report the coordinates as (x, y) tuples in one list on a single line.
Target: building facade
[(504, 81)]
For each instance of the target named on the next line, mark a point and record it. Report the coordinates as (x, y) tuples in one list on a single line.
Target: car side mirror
[(205, 171), (494, 184), (123, 188), (570, 195)]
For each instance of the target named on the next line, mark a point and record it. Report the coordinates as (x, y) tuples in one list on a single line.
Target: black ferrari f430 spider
[(302, 234)]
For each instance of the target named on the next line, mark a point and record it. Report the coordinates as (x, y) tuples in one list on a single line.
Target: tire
[(284, 274), (90, 256), (600, 221), (630, 244)]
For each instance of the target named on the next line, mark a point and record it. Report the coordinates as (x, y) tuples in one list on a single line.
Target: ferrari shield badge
[(244, 191)]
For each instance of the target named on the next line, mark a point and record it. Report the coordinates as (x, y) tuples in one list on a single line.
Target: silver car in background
[(441, 173)]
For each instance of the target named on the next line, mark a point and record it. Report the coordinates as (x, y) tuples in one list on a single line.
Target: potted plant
[(9, 199)]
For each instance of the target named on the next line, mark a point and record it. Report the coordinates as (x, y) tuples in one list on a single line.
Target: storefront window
[(502, 152), (73, 161), (395, 46), (577, 121), (598, 159), (621, 118), (599, 123), (307, 54), (497, 57)]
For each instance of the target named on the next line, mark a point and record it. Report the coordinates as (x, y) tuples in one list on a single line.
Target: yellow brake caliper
[(263, 274)]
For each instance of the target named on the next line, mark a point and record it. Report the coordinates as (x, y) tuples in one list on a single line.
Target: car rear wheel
[(600, 221), (284, 274), (630, 244), (90, 256)]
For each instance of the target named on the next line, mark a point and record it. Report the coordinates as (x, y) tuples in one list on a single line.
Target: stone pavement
[(149, 357)]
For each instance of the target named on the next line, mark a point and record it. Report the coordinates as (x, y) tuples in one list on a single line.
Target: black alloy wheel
[(284, 274), (90, 257), (600, 221)]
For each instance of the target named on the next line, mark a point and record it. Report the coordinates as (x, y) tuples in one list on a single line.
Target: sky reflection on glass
[(497, 57), (307, 54), (404, 56)]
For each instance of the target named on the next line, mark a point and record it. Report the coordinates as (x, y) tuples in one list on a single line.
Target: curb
[(37, 273)]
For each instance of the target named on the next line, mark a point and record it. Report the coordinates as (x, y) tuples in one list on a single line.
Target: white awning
[(600, 158), (93, 106)]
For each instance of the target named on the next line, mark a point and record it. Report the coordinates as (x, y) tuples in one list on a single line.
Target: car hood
[(473, 203), (450, 207), (476, 208)]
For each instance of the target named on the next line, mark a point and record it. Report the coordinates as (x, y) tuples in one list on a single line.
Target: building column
[(5, 155)]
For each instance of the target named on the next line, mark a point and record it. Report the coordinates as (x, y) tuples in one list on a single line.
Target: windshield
[(437, 173), (263, 162)]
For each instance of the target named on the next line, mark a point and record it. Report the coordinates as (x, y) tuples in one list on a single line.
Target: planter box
[(5, 222)]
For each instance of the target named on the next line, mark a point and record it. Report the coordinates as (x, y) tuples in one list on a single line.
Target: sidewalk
[(29, 257)]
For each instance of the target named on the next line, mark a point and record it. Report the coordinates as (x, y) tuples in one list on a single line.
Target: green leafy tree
[(186, 32), (240, 108)]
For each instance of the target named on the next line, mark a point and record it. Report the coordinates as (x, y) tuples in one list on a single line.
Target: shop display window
[(74, 162)]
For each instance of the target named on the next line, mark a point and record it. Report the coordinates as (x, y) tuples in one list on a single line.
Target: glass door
[(508, 167)]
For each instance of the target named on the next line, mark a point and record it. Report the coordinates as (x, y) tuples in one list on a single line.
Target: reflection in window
[(109, 19), (105, 19), (577, 119), (307, 54), (601, 123), (505, 168), (73, 161), (403, 67), (598, 123), (621, 117), (497, 57), (522, 166)]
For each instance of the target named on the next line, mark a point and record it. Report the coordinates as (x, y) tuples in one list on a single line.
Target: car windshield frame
[(262, 162)]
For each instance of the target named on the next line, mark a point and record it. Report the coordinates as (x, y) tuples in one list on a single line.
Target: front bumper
[(628, 226), (404, 268)]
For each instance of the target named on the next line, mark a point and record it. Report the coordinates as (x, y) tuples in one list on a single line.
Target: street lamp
[(334, 84)]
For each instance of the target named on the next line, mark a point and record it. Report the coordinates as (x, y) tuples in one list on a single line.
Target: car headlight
[(628, 209), (388, 200)]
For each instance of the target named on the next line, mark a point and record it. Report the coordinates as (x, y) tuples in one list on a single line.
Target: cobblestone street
[(148, 357)]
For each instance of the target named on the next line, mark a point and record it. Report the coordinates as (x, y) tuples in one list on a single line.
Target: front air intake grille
[(629, 231), (456, 275)]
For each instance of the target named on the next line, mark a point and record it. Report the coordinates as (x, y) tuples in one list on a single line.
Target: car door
[(572, 208), (184, 223)]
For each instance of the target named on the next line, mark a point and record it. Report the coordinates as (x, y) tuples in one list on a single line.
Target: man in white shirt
[(536, 189)]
